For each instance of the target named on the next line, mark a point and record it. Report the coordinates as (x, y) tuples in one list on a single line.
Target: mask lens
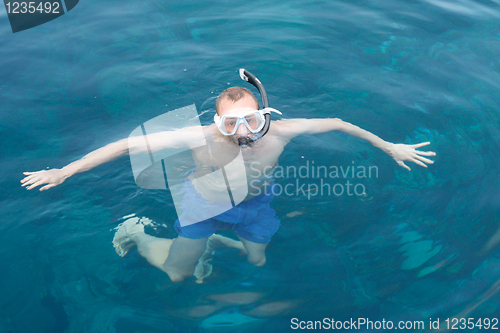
[(254, 121), (229, 124)]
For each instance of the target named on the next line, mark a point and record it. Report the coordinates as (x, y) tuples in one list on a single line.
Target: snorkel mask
[(256, 121)]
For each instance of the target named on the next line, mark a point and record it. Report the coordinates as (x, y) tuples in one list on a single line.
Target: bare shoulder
[(277, 131), (288, 128), (282, 126), (209, 130)]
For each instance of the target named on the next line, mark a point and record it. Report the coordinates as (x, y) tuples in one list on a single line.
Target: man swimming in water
[(253, 220)]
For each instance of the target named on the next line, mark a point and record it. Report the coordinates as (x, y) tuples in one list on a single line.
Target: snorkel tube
[(250, 78)]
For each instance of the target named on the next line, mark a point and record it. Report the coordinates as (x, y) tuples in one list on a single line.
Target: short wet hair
[(234, 94)]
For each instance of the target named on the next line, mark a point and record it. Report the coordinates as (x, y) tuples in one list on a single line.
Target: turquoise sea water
[(420, 244)]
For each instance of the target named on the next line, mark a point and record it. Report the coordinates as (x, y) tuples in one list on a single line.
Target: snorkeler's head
[(235, 95), (233, 101), (238, 115)]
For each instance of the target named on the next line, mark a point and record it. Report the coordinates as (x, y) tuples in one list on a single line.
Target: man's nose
[(242, 130)]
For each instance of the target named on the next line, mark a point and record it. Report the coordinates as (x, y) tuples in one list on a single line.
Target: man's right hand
[(52, 177)]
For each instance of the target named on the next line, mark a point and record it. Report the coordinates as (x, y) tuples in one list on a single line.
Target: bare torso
[(244, 170)]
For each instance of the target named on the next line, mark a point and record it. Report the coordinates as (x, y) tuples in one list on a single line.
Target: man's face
[(229, 107)]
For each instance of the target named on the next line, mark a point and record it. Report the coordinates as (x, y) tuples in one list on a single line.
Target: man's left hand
[(402, 152)]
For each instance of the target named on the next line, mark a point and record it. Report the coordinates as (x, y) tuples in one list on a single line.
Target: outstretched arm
[(54, 177), (135, 145), (399, 152)]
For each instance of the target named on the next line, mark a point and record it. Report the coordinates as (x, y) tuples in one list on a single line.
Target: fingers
[(32, 172), (46, 187), (33, 181), (25, 179), (35, 185), (401, 163), (419, 163), (418, 145), (425, 153), (49, 178), (29, 180), (423, 159), (409, 153), (29, 176)]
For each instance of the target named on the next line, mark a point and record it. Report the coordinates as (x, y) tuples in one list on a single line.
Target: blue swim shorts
[(253, 220)]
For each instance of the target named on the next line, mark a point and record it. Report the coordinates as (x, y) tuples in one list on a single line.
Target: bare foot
[(126, 233), (204, 267), (131, 232)]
